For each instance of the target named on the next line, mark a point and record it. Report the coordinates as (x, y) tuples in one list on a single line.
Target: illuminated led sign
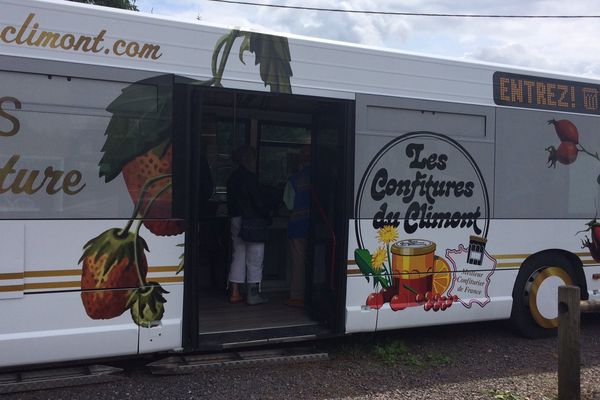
[(544, 93)]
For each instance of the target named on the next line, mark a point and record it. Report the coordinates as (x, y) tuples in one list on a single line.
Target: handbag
[(254, 230)]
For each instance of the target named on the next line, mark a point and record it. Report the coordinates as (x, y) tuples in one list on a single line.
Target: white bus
[(441, 191)]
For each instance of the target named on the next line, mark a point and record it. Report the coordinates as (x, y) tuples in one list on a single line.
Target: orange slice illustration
[(441, 277)]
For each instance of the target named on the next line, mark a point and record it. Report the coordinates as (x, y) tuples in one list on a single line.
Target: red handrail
[(331, 231)]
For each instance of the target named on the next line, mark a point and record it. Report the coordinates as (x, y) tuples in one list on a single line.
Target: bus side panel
[(486, 293), (482, 294), (52, 327), (52, 317), (359, 317), (452, 200), (167, 335), (424, 181), (82, 157), (12, 273)]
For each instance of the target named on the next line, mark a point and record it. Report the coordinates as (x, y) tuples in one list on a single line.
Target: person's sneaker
[(254, 297), (294, 302)]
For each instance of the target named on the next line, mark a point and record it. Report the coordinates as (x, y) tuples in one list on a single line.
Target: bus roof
[(71, 32)]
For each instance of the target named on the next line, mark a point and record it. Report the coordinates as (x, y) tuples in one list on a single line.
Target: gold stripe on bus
[(77, 284), (515, 264), (52, 285), (11, 275), (508, 265), (11, 288), (524, 256), (499, 265), (498, 257), (62, 285), (77, 272), (510, 256), (52, 273)]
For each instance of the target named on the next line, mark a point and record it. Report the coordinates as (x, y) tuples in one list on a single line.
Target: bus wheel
[(535, 294)]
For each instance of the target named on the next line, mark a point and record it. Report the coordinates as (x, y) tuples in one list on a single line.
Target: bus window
[(524, 140), (278, 152), (220, 140)]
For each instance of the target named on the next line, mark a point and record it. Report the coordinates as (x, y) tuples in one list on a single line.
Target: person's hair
[(245, 156)]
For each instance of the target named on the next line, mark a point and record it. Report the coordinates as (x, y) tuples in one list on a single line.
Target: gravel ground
[(472, 361)]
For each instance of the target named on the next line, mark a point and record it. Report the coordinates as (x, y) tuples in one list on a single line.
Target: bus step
[(191, 363), (26, 381)]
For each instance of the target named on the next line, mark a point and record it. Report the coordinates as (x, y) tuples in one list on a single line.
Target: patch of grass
[(391, 352), (396, 351), (504, 395), (438, 359)]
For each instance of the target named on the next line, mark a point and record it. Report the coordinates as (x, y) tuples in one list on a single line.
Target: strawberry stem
[(135, 254), (155, 197), (583, 150), (140, 200), (389, 260), (227, 42), (139, 225)]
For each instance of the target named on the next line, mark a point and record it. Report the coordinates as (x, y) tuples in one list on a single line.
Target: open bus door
[(211, 123), (331, 204)]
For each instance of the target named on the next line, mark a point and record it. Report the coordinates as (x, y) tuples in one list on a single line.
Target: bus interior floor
[(218, 315)]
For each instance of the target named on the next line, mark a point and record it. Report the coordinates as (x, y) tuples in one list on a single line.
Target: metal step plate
[(57, 377), (191, 363)]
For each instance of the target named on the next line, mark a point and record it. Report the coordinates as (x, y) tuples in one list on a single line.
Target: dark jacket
[(243, 196)]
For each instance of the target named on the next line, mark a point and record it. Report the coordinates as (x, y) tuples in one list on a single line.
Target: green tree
[(124, 4)]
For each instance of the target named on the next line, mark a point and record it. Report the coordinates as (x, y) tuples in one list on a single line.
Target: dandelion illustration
[(378, 258), (387, 234), (378, 265)]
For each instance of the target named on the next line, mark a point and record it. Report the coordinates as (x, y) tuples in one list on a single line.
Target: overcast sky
[(567, 46)]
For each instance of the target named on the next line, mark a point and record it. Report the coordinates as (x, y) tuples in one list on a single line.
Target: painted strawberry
[(109, 262), (154, 163), (565, 154), (592, 245), (147, 305), (566, 130)]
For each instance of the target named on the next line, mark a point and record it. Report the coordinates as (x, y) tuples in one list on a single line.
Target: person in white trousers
[(244, 201)]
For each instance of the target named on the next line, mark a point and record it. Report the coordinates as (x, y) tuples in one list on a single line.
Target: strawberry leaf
[(147, 305), (141, 120), (114, 247), (273, 55)]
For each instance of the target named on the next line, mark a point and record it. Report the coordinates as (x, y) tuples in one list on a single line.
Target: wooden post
[(569, 356)]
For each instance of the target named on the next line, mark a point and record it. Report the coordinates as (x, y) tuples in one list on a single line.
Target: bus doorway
[(292, 137)]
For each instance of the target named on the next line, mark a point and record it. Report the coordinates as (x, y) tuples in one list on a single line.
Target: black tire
[(526, 318)]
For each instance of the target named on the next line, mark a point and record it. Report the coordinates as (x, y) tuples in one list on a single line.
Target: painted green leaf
[(141, 120), (273, 55), (147, 305), (363, 260), (180, 266), (244, 47)]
